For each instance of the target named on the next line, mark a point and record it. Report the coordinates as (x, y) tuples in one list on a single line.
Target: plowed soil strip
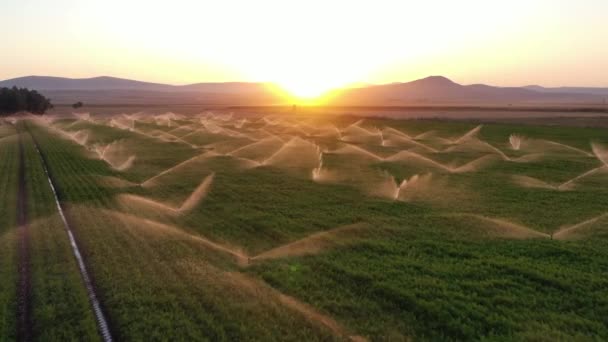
[(102, 322), (24, 303)]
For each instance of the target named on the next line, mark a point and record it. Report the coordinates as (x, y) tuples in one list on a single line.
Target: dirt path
[(24, 302)]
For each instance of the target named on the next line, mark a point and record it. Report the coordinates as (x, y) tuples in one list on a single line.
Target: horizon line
[(356, 84)]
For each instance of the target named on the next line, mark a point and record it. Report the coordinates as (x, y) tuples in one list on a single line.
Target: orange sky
[(309, 46)]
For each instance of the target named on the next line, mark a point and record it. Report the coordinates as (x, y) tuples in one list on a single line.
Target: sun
[(305, 89), (310, 84)]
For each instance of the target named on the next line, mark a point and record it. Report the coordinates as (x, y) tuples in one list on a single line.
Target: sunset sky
[(309, 46)]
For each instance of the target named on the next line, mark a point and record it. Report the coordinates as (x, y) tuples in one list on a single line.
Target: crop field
[(222, 226)]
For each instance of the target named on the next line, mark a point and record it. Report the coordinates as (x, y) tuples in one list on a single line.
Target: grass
[(426, 267), (435, 284), (155, 282), (61, 309), (9, 156)]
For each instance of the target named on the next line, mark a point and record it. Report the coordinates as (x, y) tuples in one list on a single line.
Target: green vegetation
[(58, 301), (61, 309), (215, 227), (429, 281), (9, 164), (157, 282)]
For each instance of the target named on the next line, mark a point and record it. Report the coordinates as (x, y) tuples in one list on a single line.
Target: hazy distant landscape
[(430, 91), (223, 211)]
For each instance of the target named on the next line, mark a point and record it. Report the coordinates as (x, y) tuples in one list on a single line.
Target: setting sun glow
[(302, 88), (309, 47)]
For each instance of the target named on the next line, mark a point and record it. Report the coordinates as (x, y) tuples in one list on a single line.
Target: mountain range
[(432, 90)]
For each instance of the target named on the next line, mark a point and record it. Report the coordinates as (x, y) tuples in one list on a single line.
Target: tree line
[(13, 100)]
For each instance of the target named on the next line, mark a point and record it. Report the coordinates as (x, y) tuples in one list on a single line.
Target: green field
[(286, 227)]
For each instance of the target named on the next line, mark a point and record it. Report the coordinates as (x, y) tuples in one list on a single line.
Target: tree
[(13, 100), (77, 105)]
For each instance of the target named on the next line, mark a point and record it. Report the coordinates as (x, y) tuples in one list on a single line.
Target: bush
[(13, 100)]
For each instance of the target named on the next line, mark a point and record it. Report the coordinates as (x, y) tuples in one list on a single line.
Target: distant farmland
[(221, 226)]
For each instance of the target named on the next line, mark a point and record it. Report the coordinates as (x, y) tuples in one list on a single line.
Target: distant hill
[(113, 83), (427, 91), (571, 90), (441, 90), (95, 83), (112, 90)]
